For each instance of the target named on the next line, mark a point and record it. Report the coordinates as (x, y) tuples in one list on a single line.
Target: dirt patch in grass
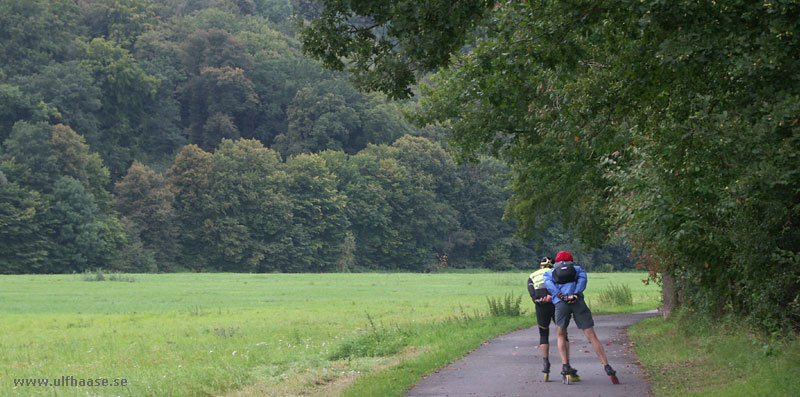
[(329, 381)]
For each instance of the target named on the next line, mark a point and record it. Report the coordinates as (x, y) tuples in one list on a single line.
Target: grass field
[(257, 334)]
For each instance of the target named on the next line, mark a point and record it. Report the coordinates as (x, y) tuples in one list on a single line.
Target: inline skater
[(566, 283), (545, 311)]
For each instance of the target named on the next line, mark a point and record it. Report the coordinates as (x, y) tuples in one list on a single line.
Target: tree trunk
[(668, 298)]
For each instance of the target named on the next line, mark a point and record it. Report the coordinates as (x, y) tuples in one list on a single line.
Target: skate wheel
[(565, 379), (614, 379), (546, 377), (574, 378)]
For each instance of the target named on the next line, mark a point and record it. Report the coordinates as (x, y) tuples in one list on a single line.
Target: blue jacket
[(573, 288)]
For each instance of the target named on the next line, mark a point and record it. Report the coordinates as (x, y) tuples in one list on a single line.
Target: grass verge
[(700, 357), (442, 349)]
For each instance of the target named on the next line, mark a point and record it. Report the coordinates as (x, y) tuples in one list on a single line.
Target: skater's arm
[(580, 284), (531, 289), (549, 284)]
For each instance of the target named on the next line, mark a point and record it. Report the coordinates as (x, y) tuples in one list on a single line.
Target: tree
[(319, 223), (190, 182), (144, 202), (71, 91), (218, 99), (479, 200), (72, 157), (233, 208), (402, 37), (23, 230), (17, 105), (668, 124), (213, 48), (28, 158), (59, 188), (317, 122), (410, 173), (121, 21), (126, 92), (218, 104), (36, 32), (249, 213), (333, 116), (83, 238), (368, 212)]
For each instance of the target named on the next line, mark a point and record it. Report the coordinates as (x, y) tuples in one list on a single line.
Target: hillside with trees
[(144, 135)]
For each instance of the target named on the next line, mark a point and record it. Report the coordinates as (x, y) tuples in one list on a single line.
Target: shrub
[(507, 306), (98, 275), (374, 342), (617, 295)]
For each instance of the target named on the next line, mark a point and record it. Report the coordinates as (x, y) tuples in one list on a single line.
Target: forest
[(161, 136)]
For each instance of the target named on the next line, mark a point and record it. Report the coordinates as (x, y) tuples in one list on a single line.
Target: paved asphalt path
[(511, 365)]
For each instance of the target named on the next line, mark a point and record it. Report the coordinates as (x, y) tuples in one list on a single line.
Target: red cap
[(563, 256)]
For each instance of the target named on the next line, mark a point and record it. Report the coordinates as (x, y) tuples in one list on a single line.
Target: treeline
[(143, 135), (405, 206)]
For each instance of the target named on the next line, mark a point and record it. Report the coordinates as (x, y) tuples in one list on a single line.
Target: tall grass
[(508, 306), (616, 295)]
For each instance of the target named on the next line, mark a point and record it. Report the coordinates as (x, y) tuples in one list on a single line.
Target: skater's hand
[(548, 298), (571, 299)]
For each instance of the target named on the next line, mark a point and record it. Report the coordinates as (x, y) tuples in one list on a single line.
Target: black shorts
[(545, 312), (577, 310)]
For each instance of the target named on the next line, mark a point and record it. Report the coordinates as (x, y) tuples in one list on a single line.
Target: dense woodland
[(144, 135), (674, 126)]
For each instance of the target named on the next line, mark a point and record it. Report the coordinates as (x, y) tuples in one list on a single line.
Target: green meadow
[(258, 334)]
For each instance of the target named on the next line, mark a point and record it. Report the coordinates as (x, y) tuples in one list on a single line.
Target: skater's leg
[(598, 347), (563, 349), (544, 341), (544, 346), (545, 312)]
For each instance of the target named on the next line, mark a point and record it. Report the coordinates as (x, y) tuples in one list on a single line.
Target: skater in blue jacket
[(566, 282)]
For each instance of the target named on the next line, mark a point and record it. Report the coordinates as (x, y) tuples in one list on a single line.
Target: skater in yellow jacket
[(545, 311)]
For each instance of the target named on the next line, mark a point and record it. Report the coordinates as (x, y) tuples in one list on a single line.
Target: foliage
[(145, 203), (23, 224), (288, 167), (35, 32), (619, 295), (396, 39), (376, 341), (99, 275), (57, 189), (508, 305), (673, 127)]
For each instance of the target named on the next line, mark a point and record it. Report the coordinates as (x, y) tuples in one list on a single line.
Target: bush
[(98, 275), (617, 295), (374, 342), (507, 306)]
